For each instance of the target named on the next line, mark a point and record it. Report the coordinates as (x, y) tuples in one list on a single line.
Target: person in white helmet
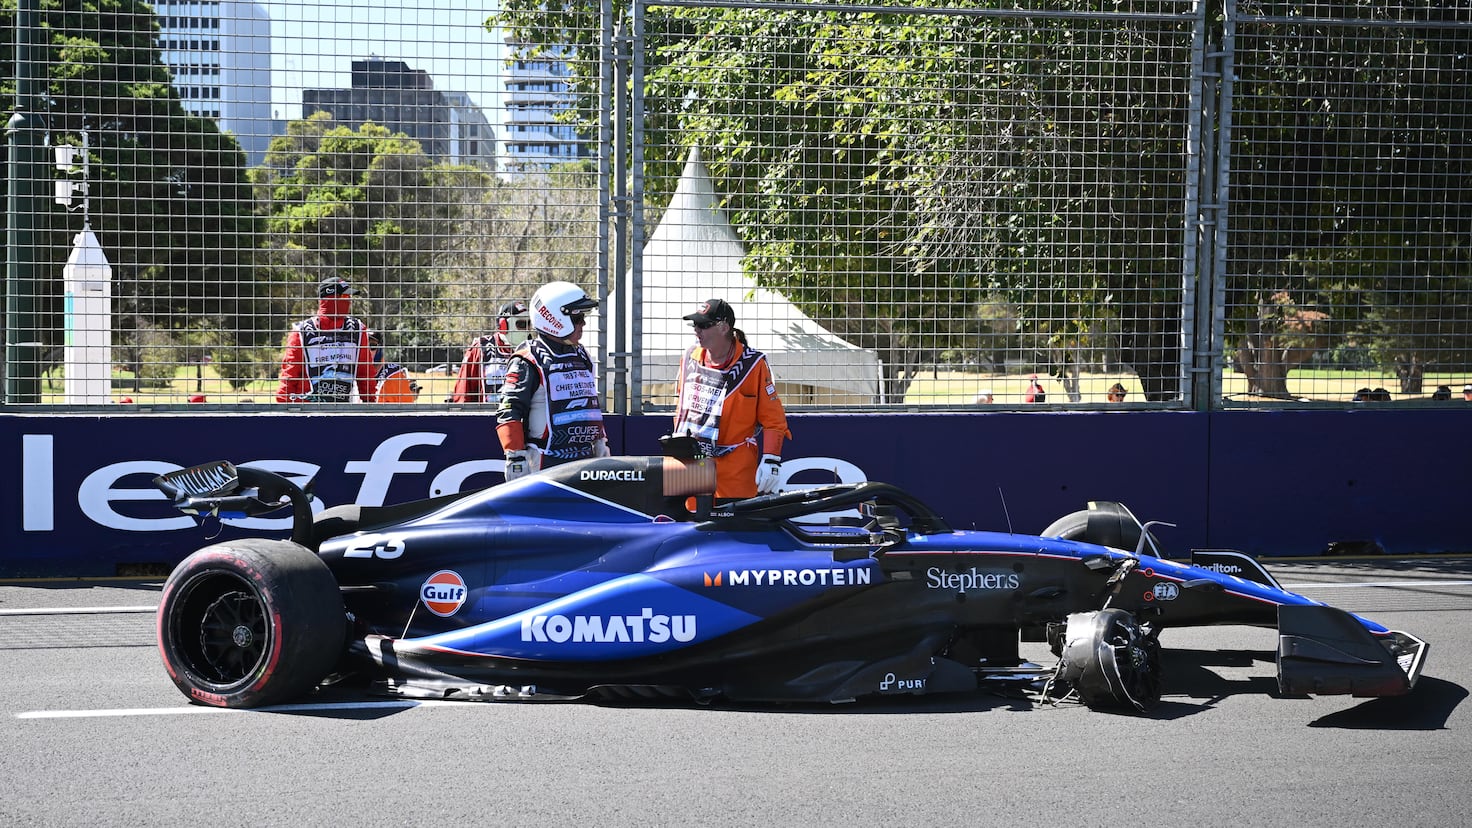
[(483, 368), (549, 412)]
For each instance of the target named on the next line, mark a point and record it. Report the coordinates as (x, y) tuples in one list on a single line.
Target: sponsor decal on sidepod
[(443, 593), (608, 629), (938, 578), (836, 576)]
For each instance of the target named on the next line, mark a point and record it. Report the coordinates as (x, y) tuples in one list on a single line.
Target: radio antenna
[(1005, 513)]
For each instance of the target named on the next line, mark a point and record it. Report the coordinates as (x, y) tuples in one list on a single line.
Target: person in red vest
[(327, 355), (727, 400), (483, 368), (1035, 392)]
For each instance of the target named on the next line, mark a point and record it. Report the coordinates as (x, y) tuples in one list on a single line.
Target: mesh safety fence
[(1157, 204)]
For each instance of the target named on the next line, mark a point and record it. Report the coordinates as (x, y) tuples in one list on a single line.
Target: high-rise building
[(472, 139), (219, 53), (448, 125), (537, 90)]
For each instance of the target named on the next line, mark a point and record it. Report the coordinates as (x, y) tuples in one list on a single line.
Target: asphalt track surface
[(93, 733)]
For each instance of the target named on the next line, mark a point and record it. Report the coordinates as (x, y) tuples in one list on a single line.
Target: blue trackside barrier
[(78, 502)]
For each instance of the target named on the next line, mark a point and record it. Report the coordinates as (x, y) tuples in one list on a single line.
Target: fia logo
[(1164, 592)]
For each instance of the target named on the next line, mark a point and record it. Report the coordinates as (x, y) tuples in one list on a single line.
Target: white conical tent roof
[(693, 255)]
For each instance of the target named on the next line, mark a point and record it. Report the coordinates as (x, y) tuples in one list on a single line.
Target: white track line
[(280, 708), (75, 610), (1379, 584)]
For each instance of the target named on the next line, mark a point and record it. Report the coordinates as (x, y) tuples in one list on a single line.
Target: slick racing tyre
[(1072, 526), (1112, 661), (250, 623)]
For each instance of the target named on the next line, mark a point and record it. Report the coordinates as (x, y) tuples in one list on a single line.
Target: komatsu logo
[(610, 629), (622, 475), (835, 576), (937, 578)]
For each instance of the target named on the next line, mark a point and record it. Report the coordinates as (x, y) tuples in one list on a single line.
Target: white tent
[(695, 255)]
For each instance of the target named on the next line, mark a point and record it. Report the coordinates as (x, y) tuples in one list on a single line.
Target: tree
[(168, 196), (370, 206), (1351, 157), (888, 169), (515, 236)]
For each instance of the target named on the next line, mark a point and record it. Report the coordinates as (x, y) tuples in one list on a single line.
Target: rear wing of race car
[(1326, 651), (222, 489)]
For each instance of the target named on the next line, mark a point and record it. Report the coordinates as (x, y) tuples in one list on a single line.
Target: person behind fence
[(549, 413), (483, 368), (727, 400), (1116, 393), (1035, 392), (1467, 393), (392, 383), (328, 355)]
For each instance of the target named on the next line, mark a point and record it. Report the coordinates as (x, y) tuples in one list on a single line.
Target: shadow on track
[(1427, 707)]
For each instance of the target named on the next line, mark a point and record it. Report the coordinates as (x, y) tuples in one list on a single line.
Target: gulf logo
[(443, 593)]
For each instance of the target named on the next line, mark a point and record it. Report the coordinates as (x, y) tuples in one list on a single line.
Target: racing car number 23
[(387, 547)]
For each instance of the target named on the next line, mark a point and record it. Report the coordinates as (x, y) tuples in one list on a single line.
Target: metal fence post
[(25, 211)]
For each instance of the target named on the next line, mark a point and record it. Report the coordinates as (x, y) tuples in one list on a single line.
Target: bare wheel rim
[(233, 636), (221, 631)]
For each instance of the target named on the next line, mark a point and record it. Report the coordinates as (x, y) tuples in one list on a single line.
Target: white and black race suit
[(550, 387), (331, 358)]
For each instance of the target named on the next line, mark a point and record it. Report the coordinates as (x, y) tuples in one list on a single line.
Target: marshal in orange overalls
[(734, 411)]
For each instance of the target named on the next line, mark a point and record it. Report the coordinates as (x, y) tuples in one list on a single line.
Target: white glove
[(522, 462), (767, 473), (600, 448)]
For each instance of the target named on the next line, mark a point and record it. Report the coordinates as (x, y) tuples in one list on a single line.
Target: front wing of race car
[(1326, 651)]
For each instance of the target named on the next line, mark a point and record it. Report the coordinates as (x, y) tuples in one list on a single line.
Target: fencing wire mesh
[(1349, 276), (935, 202), (239, 153), (966, 205)]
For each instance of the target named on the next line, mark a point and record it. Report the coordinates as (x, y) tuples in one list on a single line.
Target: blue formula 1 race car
[(615, 578)]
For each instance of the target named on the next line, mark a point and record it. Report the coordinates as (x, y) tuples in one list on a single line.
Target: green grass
[(946, 389), (186, 384), (956, 388)]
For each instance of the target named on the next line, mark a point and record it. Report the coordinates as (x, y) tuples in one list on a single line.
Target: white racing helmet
[(553, 305)]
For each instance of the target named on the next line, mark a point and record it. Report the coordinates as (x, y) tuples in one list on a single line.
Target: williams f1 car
[(616, 578)]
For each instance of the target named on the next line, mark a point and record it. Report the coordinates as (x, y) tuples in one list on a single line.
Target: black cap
[(713, 310), (336, 286), (510, 309)]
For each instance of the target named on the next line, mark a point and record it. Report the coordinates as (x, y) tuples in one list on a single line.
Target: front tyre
[(1112, 661), (250, 623)]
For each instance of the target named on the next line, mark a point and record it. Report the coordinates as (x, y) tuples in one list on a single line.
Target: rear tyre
[(1073, 526), (1113, 661), (1105, 528), (250, 623)]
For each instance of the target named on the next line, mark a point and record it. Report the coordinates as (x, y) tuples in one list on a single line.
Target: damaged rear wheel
[(1112, 660)]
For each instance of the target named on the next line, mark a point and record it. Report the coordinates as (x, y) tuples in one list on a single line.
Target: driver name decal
[(609, 629), (443, 593)]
